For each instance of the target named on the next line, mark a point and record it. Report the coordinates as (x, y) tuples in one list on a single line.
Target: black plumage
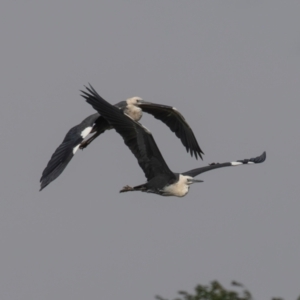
[(212, 166), (176, 122), (66, 150)]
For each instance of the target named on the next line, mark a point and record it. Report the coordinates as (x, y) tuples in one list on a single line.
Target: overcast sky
[(231, 67)]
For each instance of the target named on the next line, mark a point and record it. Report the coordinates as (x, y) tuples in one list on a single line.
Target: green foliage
[(215, 291)]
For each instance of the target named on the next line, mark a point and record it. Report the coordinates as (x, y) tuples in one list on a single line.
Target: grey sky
[(231, 68)]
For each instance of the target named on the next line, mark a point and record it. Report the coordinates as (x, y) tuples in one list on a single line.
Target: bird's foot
[(126, 188)]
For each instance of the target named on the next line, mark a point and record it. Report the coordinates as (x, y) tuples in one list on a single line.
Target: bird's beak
[(195, 180), (143, 102)]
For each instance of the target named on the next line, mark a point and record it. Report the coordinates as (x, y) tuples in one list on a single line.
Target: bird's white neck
[(133, 112), (179, 188)]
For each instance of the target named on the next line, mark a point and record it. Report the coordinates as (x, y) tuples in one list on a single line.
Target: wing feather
[(255, 160), (177, 123), (65, 151)]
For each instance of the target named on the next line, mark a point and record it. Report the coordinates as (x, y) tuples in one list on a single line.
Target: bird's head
[(134, 100)]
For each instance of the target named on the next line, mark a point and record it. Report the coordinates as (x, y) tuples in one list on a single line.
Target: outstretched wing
[(255, 160), (176, 122), (99, 127), (66, 150), (138, 139)]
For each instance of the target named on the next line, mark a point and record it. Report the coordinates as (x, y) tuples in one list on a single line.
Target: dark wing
[(66, 150), (138, 139), (176, 122), (255, 160), (99, 127)]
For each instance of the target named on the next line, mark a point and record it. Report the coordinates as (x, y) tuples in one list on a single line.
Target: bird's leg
[(126, 188)]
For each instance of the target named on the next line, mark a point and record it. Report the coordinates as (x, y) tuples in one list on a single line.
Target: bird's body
[(96, 124), (165, 186), (160, 179)]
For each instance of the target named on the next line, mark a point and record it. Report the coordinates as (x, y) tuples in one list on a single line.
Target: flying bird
[(160, 179), (95, 124)]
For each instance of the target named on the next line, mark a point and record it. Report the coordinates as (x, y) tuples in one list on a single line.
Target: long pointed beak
[(143, 102), (196, 180)]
